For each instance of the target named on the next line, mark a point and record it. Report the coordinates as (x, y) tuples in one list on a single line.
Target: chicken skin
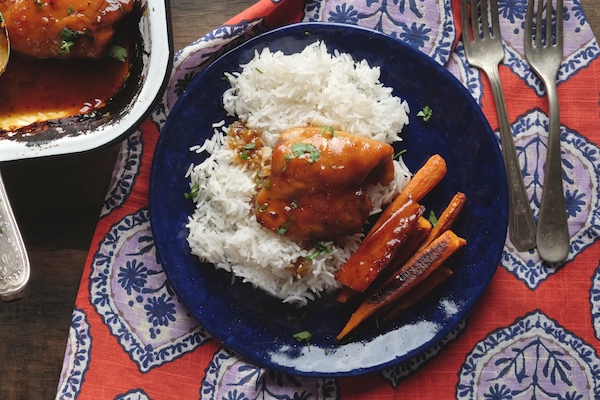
[(63, 29), (316, 187)]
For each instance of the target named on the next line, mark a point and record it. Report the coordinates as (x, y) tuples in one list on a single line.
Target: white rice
[(274, 92)]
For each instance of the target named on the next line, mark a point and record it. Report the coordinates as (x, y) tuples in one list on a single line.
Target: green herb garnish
[(303, 336), (299, 149), (117, 52), (70, 10), (292, 317), (433, 219), (425, 113), (319, 248), (245, 154), (68, 38), (193, 191), (398, 154), (328, 129), (283, 228)]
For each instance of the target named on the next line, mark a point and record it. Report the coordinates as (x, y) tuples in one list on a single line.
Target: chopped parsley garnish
[(70, 10), (319, 248), (425, 113), (328, 129), (283, 228), (117, 52), (68, 38), (245, 154), (259, 71), (398, 154), (303, 336), (433, 219), (193, 191), (292, 317), (294, 204), (39, 4), (299, 149)]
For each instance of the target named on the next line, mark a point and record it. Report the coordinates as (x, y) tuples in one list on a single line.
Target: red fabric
[(564, 297)]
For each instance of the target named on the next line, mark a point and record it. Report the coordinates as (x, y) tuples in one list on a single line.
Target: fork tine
[(464, 16), (529, 24), (474, 18), (485, 29), (549, 15), (538, 24), (495, 18), (559, 23)]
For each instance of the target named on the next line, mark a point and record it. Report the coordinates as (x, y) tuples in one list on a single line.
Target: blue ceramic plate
[(257, 326)]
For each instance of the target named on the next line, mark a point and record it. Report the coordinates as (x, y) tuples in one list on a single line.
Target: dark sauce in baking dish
[(47, 87), (72, 96)]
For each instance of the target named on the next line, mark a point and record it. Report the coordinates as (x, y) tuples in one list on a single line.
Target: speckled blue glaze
[(257, 326)]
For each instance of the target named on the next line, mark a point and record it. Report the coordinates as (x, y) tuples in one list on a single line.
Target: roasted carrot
[(416, 235), (377, 250), (419, 267), (447, 218), (345, 294), (422, 182), (417, 293)]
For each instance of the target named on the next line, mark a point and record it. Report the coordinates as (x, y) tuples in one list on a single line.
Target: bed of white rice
[(274, 92)]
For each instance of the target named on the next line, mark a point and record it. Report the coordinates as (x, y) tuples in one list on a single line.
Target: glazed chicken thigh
[(316, 187), (63, 29)]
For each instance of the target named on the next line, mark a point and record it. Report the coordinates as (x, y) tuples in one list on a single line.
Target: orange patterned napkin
[(534, 334)]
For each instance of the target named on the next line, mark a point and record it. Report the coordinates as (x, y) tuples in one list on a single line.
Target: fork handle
[(14, 263), (553, 239), (521, 226)]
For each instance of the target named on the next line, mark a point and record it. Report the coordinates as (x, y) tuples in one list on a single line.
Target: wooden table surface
[(57, 203)]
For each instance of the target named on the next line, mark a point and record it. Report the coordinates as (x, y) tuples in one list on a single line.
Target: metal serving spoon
[(14, 263)]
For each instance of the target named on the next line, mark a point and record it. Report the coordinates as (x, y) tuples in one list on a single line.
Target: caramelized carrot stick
[(419, 267), (377, 250), (416, 235), (417, 293), (424, 180), (447, 218), (346, 294), (420, 231)]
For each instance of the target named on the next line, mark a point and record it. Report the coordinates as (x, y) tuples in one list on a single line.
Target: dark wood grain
[(57, 203), (34, 329)]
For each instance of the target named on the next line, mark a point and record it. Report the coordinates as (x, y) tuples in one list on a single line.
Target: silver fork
[(485, 51), (545, 57)]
